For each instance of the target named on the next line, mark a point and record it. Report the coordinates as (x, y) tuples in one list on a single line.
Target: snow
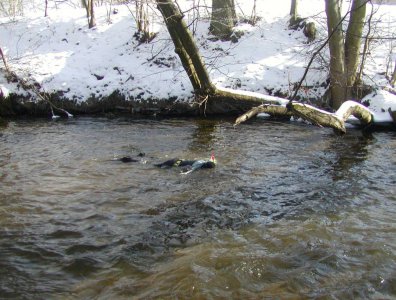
[(380, 102), (4, 92), (62, 54), (274, 100)]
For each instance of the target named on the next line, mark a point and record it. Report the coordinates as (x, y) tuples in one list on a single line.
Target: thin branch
[(32, 87)]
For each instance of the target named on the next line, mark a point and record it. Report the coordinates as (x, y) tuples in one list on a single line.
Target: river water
[(291, 211)]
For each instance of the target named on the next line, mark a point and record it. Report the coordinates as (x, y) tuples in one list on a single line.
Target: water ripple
[(290, 211)]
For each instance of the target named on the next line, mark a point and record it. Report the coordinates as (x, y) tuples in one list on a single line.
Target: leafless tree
[(344, 55), (89, 7), (223, 18)]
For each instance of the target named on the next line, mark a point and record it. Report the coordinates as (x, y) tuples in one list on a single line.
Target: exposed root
[(202, 100)]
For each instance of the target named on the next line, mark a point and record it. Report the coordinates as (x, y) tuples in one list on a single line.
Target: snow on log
[(355, 109), (250, 96), (314, 115), (318, 117)]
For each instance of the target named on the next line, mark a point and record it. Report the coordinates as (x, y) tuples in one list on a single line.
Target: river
[(291, 211)]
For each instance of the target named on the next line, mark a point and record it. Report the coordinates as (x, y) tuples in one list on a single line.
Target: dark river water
[(291, 211)]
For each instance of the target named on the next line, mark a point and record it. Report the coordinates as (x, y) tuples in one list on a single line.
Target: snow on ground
[(62, 54), (380, 102)]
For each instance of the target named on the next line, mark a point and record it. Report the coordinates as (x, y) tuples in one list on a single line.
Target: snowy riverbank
[(65, 57)]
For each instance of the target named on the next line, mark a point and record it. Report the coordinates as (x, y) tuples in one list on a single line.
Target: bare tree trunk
[(253, 16), (337, 54), (219, 100), (223, 18), (393, 79), (293, 13), (92, 20), (143, 34), (353, 42), (89, 7), (139, 15), (46, 9), (85, 4), (185, 47)]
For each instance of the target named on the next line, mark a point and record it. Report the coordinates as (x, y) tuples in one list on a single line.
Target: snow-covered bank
[(64, 56)]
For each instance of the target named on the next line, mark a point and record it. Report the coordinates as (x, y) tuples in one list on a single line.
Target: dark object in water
[(126, 159), (191, 164), (175, 162)]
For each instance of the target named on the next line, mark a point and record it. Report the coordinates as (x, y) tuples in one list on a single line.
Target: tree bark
[(46, 9), (353, 41), (185, 47), (85, 4), (92, 20), (393, 79), (223, 18), (293, 8), (293, 13), (337, 54)]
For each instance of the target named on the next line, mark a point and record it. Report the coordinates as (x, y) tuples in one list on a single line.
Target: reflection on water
[(291, 211)]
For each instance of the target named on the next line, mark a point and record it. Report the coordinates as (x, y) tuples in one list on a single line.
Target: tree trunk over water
[(314, 115), (223, 100)]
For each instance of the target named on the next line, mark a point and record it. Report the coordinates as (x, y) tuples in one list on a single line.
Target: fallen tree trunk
[(333, 120), (215, 99), (314, 115)]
